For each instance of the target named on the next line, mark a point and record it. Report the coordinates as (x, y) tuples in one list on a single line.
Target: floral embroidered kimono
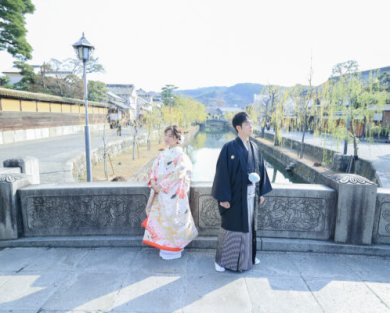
[(169, 225)]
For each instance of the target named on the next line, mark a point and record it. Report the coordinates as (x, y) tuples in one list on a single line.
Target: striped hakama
[(234, 250)]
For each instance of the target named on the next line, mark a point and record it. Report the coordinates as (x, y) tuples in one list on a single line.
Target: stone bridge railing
[(296, 211), (291, 211), (382, 217), (351, 211)]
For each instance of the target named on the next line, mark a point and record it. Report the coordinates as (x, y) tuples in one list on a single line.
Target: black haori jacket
[(231, 183)]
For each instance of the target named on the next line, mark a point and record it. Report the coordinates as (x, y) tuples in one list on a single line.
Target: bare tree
[(135, 128)]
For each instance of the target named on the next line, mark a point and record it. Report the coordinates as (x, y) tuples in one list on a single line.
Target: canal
[(204, 149)]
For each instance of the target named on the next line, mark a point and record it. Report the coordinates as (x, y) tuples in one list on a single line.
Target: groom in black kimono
[(239, 184)]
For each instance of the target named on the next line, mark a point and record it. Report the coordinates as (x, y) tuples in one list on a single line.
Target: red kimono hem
[(156, 245)]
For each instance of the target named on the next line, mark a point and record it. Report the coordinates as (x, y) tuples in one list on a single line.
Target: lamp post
[(83, 50)]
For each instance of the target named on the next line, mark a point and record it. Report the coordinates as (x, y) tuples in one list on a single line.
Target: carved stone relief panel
[(80, 214), (292, 214), (10, 178), (208, 212), (351, 179), (384, 219)]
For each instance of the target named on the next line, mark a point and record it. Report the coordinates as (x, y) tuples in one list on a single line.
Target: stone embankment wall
[(361, 167)]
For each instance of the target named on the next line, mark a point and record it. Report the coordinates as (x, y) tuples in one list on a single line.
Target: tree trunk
[(303, 138), (134, 148), (355, 144), (148, 143), (105, 152), (345, 146), (364, 127), (355, 148), (346, 138), (302, 143), (276, 139), (135, 143)]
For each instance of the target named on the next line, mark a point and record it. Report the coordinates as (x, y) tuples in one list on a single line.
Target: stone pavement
[(49, 280)]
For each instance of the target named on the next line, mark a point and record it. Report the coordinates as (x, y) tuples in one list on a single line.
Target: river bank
[(122, 165)]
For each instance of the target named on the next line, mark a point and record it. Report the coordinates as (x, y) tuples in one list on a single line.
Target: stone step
[(263, 244), (96, 241)]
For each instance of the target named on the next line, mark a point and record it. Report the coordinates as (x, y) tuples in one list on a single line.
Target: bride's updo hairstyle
[(176, 132)]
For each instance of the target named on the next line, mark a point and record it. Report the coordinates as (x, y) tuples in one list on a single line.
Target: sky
[(199, 43)]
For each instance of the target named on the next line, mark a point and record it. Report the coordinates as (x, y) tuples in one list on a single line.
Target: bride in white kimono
[(169, 225)]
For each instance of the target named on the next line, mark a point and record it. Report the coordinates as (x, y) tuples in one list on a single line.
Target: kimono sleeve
[(178, 179), (153, 172), (265, 184), (221, 189)]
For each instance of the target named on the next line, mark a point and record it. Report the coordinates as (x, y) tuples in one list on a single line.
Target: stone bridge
[(347, 214), (215, 125)]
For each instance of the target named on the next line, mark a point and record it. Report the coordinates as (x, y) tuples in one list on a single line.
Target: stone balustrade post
[(10, 213), (28, 165), (355, 209)]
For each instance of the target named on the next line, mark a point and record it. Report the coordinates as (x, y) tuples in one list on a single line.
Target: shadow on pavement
[(137, 280)]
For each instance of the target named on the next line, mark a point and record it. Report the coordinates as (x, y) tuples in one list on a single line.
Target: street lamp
[(83, 50)]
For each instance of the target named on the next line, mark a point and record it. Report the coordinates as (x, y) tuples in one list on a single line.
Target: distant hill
[(238, 95)]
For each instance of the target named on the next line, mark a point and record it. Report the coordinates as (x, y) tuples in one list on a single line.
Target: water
[(204, 151)]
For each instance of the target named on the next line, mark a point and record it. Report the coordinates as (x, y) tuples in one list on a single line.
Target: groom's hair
[(238, 119)]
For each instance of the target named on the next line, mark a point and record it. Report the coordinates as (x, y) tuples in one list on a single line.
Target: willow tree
[(344, 90), (306, 108), (304, 101), (252, 113), (352, 104), (185, 111), (265, 109), (191, 111), (327, 125), (153, 121), (374, 98), (279, 99)]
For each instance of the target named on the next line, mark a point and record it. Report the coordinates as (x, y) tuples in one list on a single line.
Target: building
[(118, 110), (128, 95), (137, 101), (214, 113), (14, 75)]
